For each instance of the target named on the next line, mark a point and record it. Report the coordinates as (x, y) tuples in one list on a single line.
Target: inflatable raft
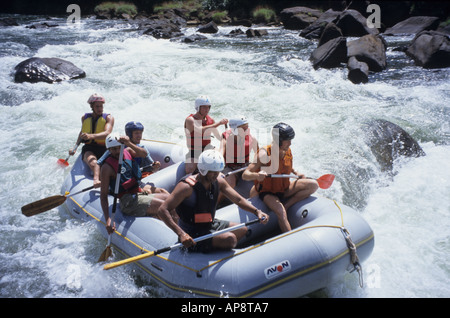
[(327, 240)]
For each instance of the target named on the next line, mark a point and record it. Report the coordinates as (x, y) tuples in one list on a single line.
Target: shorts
[(135, 204), (280, 195), (97, 150), (205, 246)]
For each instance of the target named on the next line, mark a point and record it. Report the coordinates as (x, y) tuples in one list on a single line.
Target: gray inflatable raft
[(327, 240)]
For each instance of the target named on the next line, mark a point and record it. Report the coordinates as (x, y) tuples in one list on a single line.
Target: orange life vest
[(276, 185)]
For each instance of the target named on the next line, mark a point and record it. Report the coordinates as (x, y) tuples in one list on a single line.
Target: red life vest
[(129, 178), (241, 150), (205, 140)]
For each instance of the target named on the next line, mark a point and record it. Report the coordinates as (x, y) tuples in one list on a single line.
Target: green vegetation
[(116, 8), (264, 15)]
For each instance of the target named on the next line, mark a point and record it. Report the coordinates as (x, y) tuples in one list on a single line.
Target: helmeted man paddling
[(194, 199), (95, 127)]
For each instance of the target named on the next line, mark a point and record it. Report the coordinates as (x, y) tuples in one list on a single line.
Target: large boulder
[(297, 18), (314, 31), (389, 142), (330, 54), (210, 27), (369, 49), (430, 49), (353, 23), (49, 70), (358, 72), (413, 25)]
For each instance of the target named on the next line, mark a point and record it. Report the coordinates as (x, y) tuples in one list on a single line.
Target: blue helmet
[(132, 126)]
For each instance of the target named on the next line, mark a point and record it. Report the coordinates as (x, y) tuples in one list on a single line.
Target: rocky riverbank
[(345, 38)]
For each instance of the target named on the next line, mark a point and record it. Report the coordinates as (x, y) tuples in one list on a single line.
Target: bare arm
[(240, 201), (181, 192)]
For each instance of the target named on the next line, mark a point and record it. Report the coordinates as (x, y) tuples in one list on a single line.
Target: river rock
[(430, 49), (210, 27), (330, 54), (297, 18), (160, 28), (369, 49), (358, 72), (251, 33), (49, 70), (314, 31), (353, 23), (330, 32), (413, 25), (389, 141)]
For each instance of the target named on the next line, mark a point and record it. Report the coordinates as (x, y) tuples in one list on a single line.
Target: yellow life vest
[(90, 126)]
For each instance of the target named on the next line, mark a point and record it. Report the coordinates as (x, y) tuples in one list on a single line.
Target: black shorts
[(97, 150), (280, 195)]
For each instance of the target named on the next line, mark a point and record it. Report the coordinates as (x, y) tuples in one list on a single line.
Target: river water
[(267, 79)]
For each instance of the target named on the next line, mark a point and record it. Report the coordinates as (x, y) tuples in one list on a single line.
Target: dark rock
[(413, 25), (330, 54), (4, 22), (430, 49), (251, 33), (389, 142), (297, 18), (314, 31), (369, 49), (49, 70), (330, 32), (193, 38), (211, 27), (160, 28), (358, 72), (42, 25), (353, 23)]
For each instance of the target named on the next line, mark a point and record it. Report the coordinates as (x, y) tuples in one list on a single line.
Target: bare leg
[(91, 160), (274, 204), (158, 199), (299, 190), (229, 240)]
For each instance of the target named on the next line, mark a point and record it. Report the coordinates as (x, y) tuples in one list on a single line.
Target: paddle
[(324, 181), (63, 162), (107, 252), (235, 171), (166, 249), (49, 203)]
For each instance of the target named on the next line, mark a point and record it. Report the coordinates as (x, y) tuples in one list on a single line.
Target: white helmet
[(236, 122), (112, 140), (202, 100), (96, 98), (210, 160)]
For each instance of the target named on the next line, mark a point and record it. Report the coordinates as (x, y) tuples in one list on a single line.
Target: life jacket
[(276, 185), (198, 211), (92, 126), (205, 140), (130, 176), (241, 152)]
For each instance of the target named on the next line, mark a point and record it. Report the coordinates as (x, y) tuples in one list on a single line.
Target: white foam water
[(269, 80)]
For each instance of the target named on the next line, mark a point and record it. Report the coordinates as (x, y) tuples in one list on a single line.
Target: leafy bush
[(116, 8), (264, 15)]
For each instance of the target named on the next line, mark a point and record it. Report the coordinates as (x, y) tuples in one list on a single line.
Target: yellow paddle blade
[(43, 205)]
